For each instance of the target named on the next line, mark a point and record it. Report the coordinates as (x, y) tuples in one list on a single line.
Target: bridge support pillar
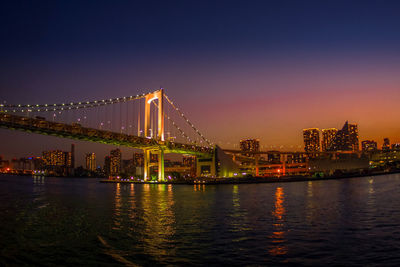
[(161, 174), (283, 161), (257, 158), (146, 161)]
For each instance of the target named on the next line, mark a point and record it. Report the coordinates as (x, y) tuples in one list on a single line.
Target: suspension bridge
[(150, 122)]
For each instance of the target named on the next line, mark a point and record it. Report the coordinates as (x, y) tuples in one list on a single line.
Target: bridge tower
[(159, 96)]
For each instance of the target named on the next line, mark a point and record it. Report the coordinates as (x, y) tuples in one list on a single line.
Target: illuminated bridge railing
[(76, 131)]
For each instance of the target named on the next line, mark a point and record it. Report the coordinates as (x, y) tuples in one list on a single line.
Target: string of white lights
[(84, 104), (13, 108), (51, 108)]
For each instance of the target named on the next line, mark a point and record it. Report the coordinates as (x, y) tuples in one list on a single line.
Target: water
[(67, 221)]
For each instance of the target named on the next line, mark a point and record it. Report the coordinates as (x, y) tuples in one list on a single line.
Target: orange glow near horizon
[(278, 121)]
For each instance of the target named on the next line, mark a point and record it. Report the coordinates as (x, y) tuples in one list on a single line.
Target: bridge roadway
[(234, 151), (78, 132)]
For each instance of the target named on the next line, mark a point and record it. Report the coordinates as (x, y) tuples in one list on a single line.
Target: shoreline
[(253, 180)]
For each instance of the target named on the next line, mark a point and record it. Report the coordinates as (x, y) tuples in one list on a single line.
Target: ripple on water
[(56, 221)]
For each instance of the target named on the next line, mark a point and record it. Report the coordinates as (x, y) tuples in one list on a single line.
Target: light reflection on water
[(117, 210), (159, 218), (39, 198), (278, 235), (199, 187), (132, 203), (311, 208), (51, 219), (239, 215)]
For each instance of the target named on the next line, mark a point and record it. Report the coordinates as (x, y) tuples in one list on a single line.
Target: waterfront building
[(127, 167), (107, 165), (38, 163), (4, 163), (115, 162), (346, 139), (249, 145), (138, 159), (57, 162), (385, 159), (369, 146), (57, 158), (386, 144), (72, 156), (274, 158), (396, 147), (27, 163), (311, 140), (328, 136), (353, 137), (54, 158), (15, 164), (296, 158), (91, 161), (188, 160)]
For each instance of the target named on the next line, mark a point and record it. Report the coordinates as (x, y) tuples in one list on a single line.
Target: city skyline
[(265, 163), (249, 144), (51, 143)]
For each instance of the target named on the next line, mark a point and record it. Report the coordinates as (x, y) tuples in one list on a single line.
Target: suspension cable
[(187, 121), (175, 125)]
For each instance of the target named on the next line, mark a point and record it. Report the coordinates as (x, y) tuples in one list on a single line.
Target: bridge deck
[(76, 131)]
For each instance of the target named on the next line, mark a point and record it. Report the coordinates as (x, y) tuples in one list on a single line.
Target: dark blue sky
[(286, 64), (131, 28)]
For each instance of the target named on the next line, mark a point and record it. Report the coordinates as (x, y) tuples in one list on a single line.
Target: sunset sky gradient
[(238, 69)]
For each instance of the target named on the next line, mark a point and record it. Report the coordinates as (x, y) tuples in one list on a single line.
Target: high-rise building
[(250, 145), (369, 146), (57, 161), (56, 158), (311, 139), (115, 162), (346, 139), (72, 156), (91, 161), (386, 144), (328, 135), (107, 165), (353, 137)]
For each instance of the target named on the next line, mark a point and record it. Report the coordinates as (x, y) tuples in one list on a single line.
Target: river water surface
[(68, 221)]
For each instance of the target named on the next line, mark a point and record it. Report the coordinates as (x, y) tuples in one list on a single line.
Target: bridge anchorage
[(118, 121)]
